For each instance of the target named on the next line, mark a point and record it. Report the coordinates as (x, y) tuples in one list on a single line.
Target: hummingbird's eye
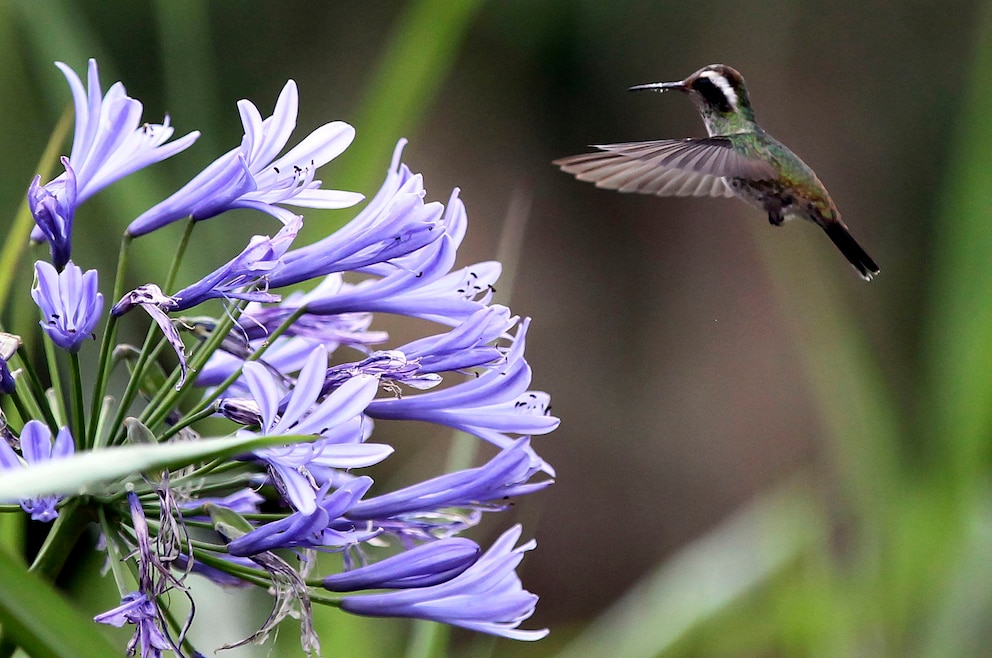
[(717, 91)]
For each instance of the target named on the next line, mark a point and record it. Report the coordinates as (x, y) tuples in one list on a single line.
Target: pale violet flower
[(250, 176), (487, 597), (37, 447), (69, 301), (109, 143)]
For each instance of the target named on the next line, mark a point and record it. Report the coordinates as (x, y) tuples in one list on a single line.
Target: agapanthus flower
[(136, 608), (9, 344), (487, 597), (423, 566), (69, 301), (505, 476), (250, 176), (491, 406), (37, 447), (109, 143), (320, 527), (296, 468), (396, 222), (140, 607), (297, 384)]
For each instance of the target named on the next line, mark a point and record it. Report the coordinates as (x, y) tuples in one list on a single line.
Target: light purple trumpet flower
[(489, 486), (299, 470), (491, 406), (259, 321), (422, 566), (322, 527), (37, 448), (487, 597), (394, 223), (69, 303), (109, 143), (419, 282), (236, 279), (250, 176), (140, 607), (249, 268)]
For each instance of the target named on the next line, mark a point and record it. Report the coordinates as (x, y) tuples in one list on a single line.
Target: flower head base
[(69, 302), (37, 447), (109, 143)]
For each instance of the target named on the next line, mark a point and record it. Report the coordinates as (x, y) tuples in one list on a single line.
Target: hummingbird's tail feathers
[(617, 171), (848, 246)]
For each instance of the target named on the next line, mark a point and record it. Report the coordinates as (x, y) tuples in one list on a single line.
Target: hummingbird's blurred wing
[(667, 167)]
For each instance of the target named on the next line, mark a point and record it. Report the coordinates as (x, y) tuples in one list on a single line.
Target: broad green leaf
[(36, 617), (83, 471)]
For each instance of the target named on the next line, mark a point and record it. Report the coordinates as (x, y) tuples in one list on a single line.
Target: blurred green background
[(760, 455)]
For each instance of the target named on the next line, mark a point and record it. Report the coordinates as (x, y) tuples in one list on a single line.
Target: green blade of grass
[(959, 325), (36, 617)]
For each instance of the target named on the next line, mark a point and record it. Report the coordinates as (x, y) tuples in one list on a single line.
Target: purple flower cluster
[(307, 366)]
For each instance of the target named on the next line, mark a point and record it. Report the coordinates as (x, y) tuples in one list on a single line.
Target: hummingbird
[(738, 158)]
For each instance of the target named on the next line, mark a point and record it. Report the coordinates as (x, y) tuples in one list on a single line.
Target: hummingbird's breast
[(795, 191)]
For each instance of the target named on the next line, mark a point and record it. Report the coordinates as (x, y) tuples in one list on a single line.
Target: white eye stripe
[(723, 84)]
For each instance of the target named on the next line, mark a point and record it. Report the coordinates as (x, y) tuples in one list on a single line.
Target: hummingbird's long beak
[(660, 86)]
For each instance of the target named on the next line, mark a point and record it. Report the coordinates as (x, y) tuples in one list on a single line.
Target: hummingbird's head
[(719, 93)]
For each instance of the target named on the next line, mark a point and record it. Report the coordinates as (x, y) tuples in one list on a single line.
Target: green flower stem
[(34, 398), (101, 420), (168, 396), (65, 532), (134, 381), (58, 398), (208, 401), (109, 336), (116, 561), (178, 258), (78, 420), (213, 467), (25, 412), (319, 596), (186, 421)]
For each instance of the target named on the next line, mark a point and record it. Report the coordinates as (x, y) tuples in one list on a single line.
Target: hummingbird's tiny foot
[(775, 217)]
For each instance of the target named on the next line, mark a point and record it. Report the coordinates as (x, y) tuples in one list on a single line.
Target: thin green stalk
[(109, 336), (169, 395), (186, 421), (114, 553), (51, 359), (101, 420), (77, 419), (180, 252), (146, 356), (17, 235), (137, 373), (65, 532), (35, 399), (208, 400)]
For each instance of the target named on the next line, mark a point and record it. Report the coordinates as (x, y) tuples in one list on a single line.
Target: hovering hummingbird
[(737, 159)]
